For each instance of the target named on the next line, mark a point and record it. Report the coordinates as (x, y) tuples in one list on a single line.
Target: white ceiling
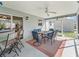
[(38, 7)]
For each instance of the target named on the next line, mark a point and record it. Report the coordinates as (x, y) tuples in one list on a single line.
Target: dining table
[(43, 34)]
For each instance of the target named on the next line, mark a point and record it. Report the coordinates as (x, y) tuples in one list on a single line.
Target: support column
[(62, 27), (77, 21), (45, 25), (11, 22)]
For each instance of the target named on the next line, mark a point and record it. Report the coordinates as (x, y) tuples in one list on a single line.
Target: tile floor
[(27, 51), (70, 50)]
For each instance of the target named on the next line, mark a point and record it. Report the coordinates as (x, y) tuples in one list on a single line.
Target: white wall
[(28, 25)]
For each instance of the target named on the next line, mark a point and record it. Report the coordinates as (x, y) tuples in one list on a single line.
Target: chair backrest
[(5, 40), (21, 34), (0, 49), (50, 35), (12, 36), (11, 39), (5, 43), (3, 47), (35, 34), (51, 30)]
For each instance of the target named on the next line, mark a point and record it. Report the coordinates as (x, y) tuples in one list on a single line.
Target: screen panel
[(78, 23)]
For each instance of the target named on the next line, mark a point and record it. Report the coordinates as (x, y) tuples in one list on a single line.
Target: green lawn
[(69, 34)]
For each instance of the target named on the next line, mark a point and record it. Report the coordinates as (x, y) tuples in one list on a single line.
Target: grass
[(69, 34)]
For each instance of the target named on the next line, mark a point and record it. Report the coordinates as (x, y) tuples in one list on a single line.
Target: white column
[(62, 27), (77, 34), (45, 25), (76, 30), (11, 21)]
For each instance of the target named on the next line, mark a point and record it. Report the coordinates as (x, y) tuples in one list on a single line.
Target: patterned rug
[(54, 50)]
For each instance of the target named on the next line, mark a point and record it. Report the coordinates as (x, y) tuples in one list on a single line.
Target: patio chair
[(3, 47), (21, 37), (14, 41), (54, 35), (8, 45), (36, 37), (50, 36)]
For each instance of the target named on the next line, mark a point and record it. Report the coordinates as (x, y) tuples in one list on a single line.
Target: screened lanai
[(66, 25)]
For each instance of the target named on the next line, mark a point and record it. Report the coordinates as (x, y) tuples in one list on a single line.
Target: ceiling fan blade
[(53, 12)]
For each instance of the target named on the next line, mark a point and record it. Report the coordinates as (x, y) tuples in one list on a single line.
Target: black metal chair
[(19, 37), (55, 34), (7, 46), (53, 37), (3, 47), (50, 36), (14, 42), (0, 50)]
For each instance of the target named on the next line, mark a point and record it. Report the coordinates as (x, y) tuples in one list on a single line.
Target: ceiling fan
[(48, 12)]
